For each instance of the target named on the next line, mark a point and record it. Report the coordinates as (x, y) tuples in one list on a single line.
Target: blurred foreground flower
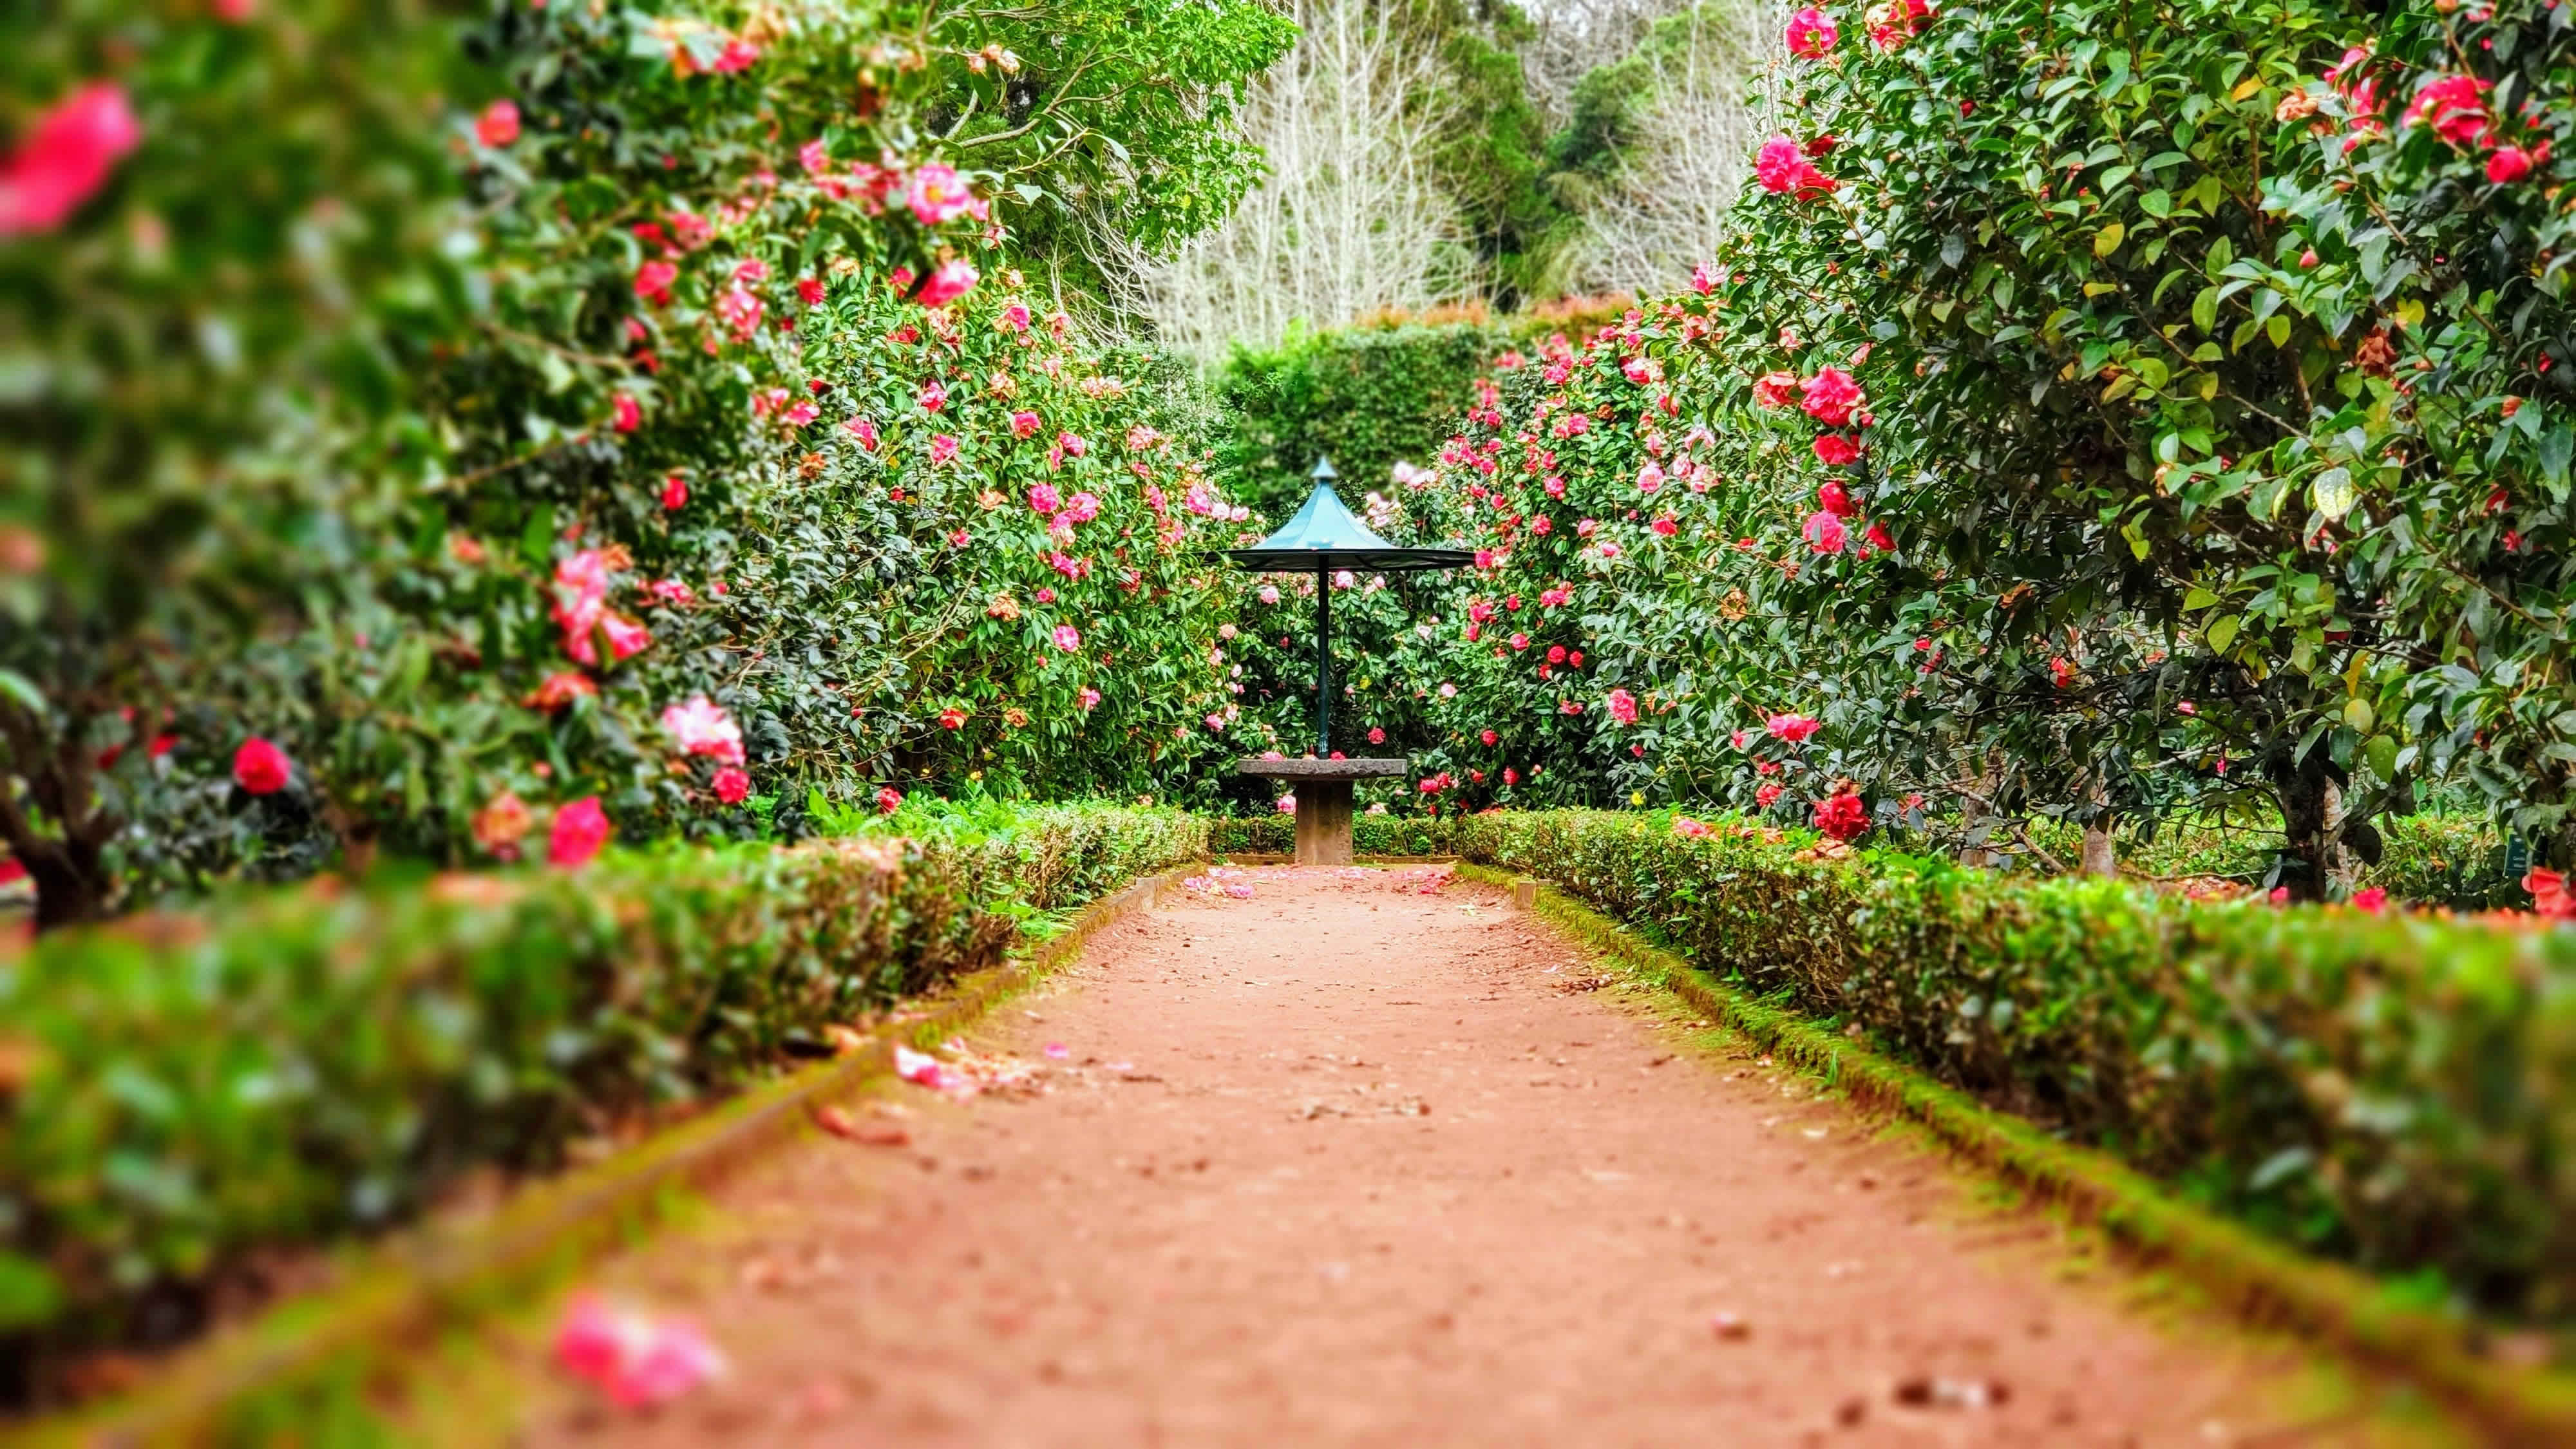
[(637, 1360)]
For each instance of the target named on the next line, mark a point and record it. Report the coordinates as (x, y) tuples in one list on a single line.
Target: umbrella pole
[(1323, 663)]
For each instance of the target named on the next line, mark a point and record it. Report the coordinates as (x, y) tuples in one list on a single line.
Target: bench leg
[(1323, 822)]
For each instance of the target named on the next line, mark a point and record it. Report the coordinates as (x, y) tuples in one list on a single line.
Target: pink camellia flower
[(1024, 425), (1768, 796), (1067, 638), (888, 800), (732, 785), (2455, 107), (1569, 706), (1520, 641), (1703, 280), (579, 830), (1650, 478), (738, 55), (1792, 728), (1836, 499), (626, 638), (260, 767), (1842, 816), (943, 449), (1287, 804), (65, 157), (653, 282), (1623, 706), (1046, 596), (1782, 167), (498, 126), (1088, 696), (938, 196), (931, 396), (815, 157), (952, 718), (863, 429), (1268, 594), (1084, 507), (1666, 526), (1772, 389), (672, 592), (1894, 23), (625, 416), (1830, 396), (949, 281), (703, 728), (2507, 165), (2370, 898), (1072, 443), (1013, 318), (1824, 532), (1812, 34), (1835, 449), (637, 1361), (1043, 499)]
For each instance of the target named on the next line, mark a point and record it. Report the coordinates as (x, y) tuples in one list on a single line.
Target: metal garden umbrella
[(1322, 538)]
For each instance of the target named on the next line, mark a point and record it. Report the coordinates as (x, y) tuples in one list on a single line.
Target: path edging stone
[(417, 1282), (2245, 1273)]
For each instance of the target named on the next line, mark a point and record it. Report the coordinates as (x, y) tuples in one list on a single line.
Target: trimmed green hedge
[(180, 1094), (2399, 1090), (1370, 835)]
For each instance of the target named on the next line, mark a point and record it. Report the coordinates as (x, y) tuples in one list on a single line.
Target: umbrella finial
[(1324, 471)]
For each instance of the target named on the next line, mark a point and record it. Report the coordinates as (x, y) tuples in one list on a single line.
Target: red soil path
[(1347, 1163)]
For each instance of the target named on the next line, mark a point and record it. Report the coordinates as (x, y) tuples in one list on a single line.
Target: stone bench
[(1323, 790)]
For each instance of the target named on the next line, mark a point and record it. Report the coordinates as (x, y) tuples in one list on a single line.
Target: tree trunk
[(2312, 824), (71, 881)]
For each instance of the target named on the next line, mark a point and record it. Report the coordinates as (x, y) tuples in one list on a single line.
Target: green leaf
[(2334, 495), (2107, 240), (18, 687), (2222, 632), (2359, 715), (2198, 598), (2204, 310)]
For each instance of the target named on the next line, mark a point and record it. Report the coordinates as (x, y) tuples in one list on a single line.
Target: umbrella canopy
[(1324, 535)]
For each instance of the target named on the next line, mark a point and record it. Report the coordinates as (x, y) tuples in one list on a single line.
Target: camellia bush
[(399, 388), (2095, 414)]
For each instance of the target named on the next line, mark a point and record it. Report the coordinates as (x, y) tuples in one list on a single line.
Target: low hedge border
[(187, 1097), (444, 1274), (2243, 1271)]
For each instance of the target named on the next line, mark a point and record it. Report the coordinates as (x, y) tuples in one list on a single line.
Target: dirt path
[(1346, 1163)]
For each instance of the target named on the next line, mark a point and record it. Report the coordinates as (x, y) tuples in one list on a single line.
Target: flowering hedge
[(183, 1094), (404, 391), (2394, 1089), (2090, 415)]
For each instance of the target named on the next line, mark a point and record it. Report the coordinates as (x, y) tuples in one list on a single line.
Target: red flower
[(653, 282), (627, 417), (2549, 894), (950, 281), (1812, 34), (559, 689), (1834, 449), (2370, 898), (732, 785), (1768, 796), (1824, 533), (2510, 164), (580, 829), (1623, 706), (2455, 106), (498, 125), (952, 718), (1843, 816), (1877, 537), (1489, 737), (888, 799), (1836, 500), (1667, 526), (1782, 166), (675, 493), (1830, 396), (65, 158), (1794, 728), (811, 290), (260, 767), (1377, 736)]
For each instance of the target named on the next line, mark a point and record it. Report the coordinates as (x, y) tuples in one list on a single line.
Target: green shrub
[(186, 1092), (2399, 1090), (1370, 835)]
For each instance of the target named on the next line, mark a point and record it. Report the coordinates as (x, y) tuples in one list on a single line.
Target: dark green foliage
[(1368, 397)]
